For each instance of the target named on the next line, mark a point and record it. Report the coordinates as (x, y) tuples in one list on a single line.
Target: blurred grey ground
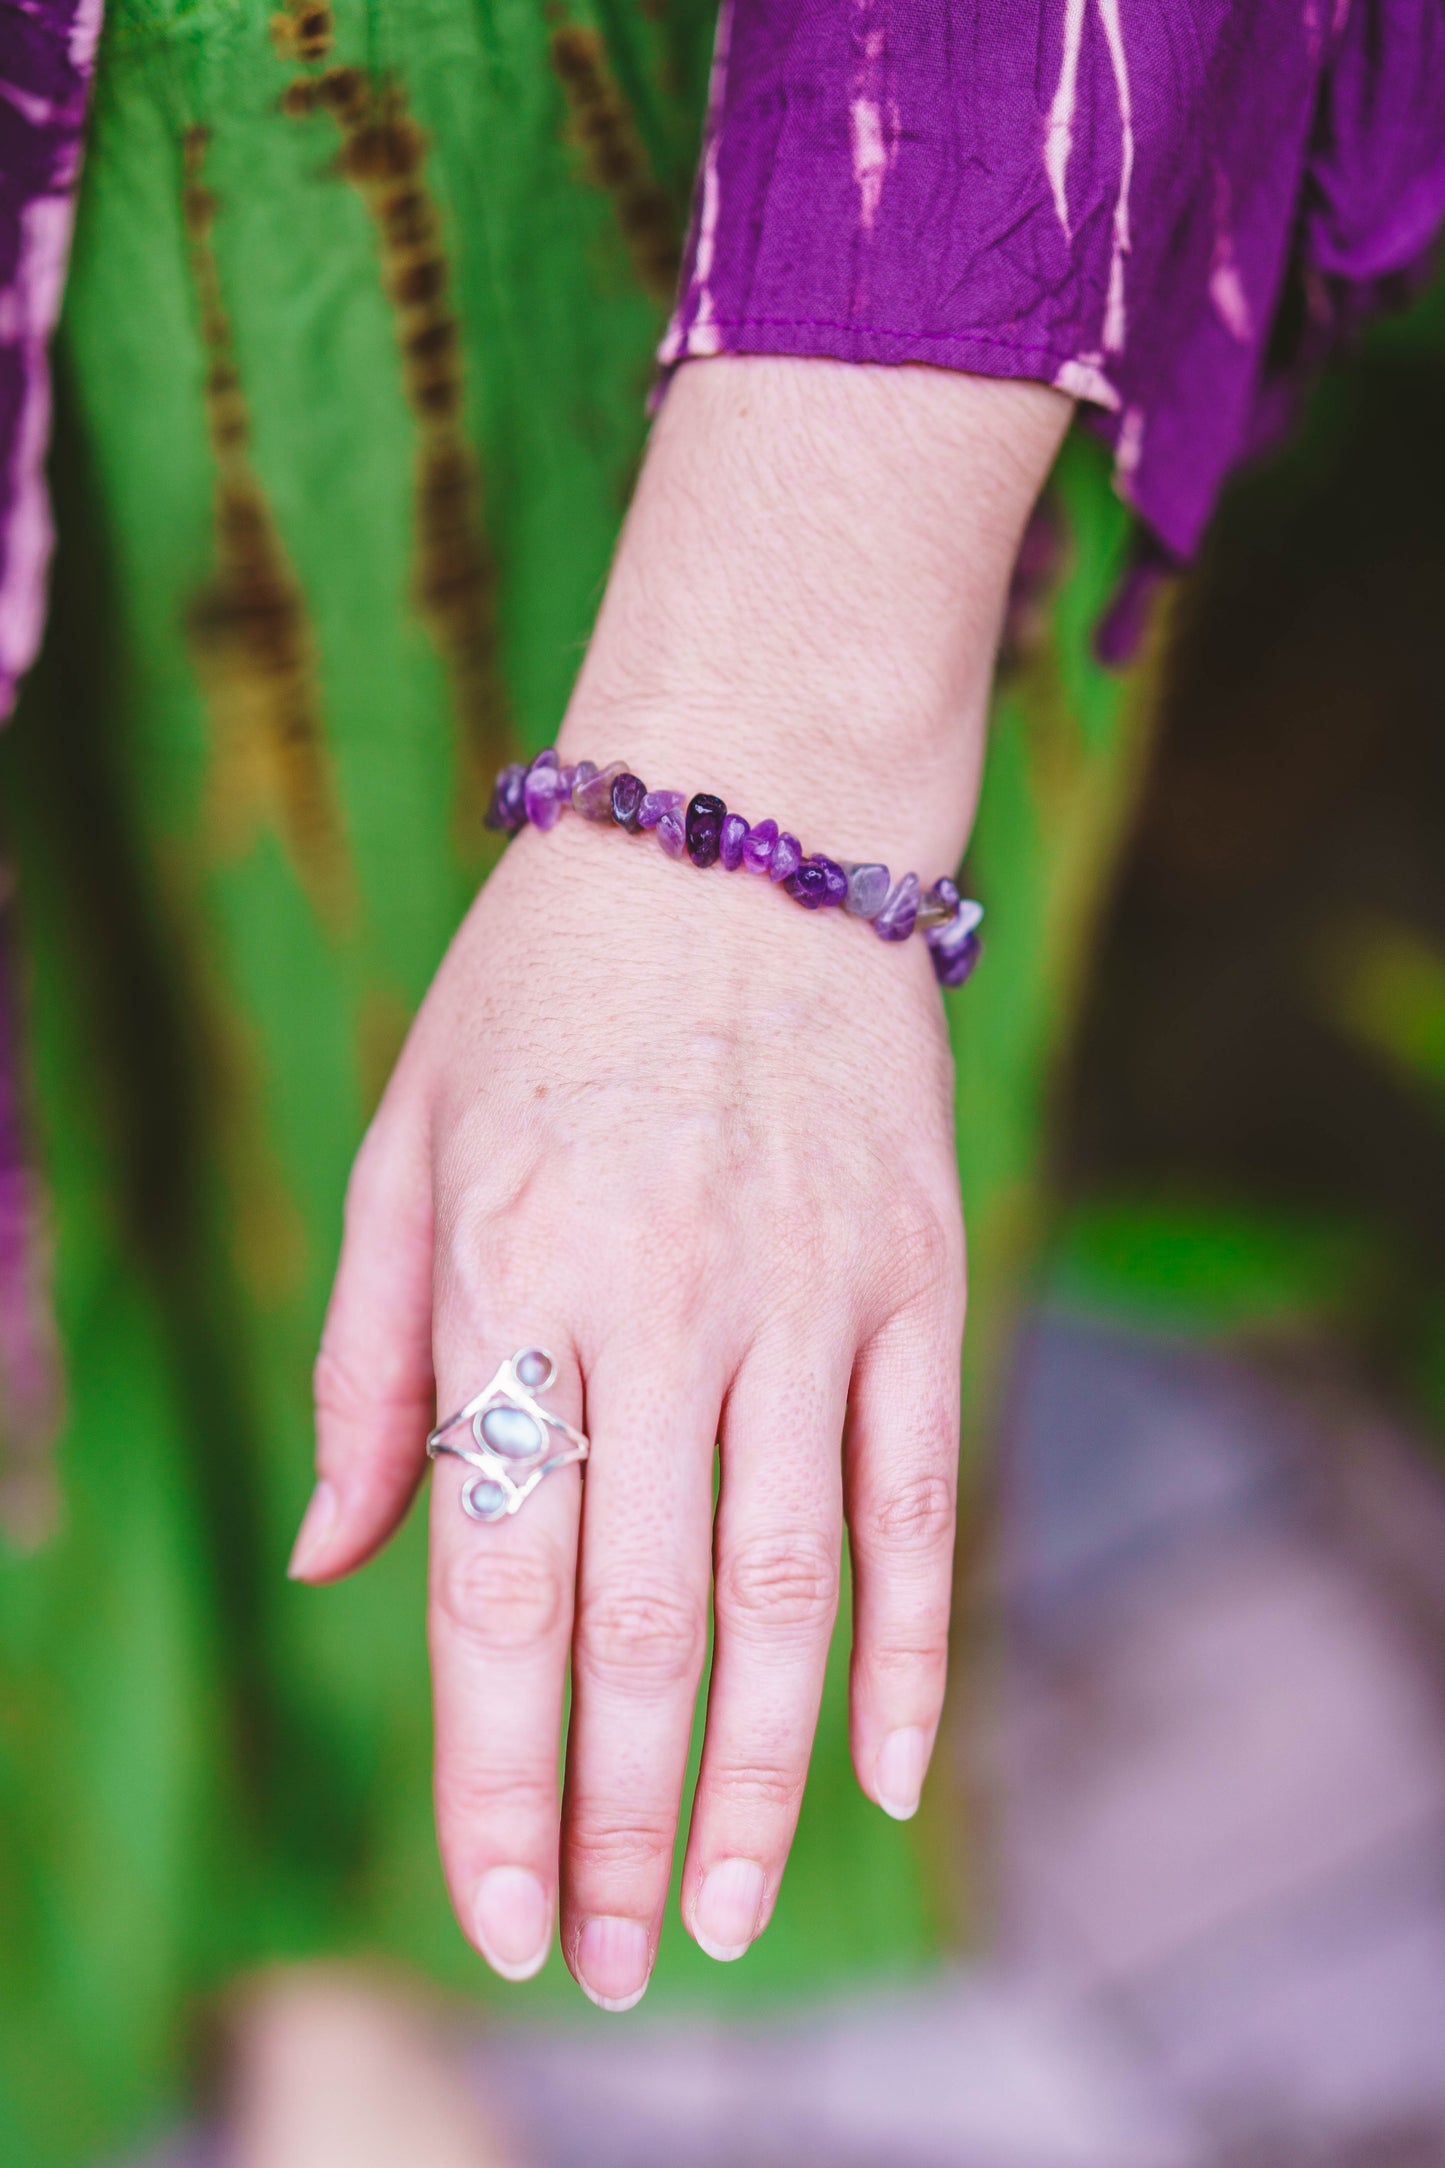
[(1216, 1747)]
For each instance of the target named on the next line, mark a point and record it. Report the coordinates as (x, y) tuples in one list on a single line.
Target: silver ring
[(515, 1440)]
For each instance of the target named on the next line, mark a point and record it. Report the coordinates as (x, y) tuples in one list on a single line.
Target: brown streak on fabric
[(601, 125), (249, 627), (383, 155), (266, 1235), (303, 30)]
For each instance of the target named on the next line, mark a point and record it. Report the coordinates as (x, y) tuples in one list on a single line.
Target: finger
[(901, 1477), (499, 1624), (638, 1649), (777, 1540), (373, 1377)]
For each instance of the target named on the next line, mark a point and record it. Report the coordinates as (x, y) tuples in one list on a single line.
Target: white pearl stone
[(511, 1432)]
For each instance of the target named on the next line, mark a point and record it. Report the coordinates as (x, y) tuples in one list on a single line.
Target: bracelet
[(708, 834)]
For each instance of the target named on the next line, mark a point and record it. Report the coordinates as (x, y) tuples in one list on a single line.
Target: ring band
[(515, 1440)]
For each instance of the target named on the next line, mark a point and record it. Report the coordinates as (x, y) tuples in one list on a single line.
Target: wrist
[(805, 603)]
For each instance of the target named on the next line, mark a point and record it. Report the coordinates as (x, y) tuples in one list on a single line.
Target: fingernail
[(512, 1919), (898, 1772), (613, 1960), (729, 1904), (315, 1528)]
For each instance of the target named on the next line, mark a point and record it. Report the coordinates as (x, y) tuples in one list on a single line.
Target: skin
[(701, 1147)]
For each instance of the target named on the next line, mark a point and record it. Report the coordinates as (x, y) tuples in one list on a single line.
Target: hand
[(698, 1144), (700, 1147)]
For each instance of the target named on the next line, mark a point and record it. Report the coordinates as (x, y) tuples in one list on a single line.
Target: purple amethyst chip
[(895, 921), (787, 857), (731, 840), (508, 809), (759, 844), (952, 966), (655, 803), (705, 816), (628, 792)]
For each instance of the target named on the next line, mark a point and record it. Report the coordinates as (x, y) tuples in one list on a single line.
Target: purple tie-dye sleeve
[(1107, 195), (47, 52)]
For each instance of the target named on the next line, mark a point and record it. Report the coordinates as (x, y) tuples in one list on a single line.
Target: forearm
[(805, 603)]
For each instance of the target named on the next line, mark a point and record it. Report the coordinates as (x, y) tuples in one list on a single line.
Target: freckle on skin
[(541, 1091)]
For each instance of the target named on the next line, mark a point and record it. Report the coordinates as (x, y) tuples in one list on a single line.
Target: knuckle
[(925, 1251), (501, 1600), (919, 1649), (779, 1583), (470, 1260), (767, 1788), (373, 1421), (618, 1844), (915, 1513), (642, 1638), (336, 1387), (470, 1790), (391, 1386)]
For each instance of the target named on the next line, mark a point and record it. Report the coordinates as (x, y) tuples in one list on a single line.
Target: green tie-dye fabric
[(351, 376)]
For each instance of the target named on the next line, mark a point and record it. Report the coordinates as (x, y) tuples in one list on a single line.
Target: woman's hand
[(698, 1144), (700, 1147)]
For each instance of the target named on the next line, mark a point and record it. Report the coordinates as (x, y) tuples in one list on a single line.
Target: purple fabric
[(47, 53), (1107, 195)]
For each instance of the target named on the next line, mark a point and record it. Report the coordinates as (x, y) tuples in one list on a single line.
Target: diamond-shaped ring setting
[(514, 1441)]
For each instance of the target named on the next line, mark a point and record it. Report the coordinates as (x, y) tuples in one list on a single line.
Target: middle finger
[(638, 1648)]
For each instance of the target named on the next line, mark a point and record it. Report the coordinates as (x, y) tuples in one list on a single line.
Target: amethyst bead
[(868, 887), (808, 886), (787, 857), (895, 921), (966, 920), (543, 793), (628, 792), (672, 831), (592, 796), (939, 906), (655, 803), (758, 846), (817, 882), (952, 966), (705, 816), (508, 809), (731, 839)]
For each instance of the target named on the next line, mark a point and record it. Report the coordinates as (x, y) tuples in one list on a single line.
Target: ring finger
[(778, 1543)]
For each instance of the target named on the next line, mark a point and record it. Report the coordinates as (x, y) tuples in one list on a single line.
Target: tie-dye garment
[(1161, 206), (1165, 207), (47, 50)]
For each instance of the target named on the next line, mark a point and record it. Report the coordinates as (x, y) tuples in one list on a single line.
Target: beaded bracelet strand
[(704, 831)]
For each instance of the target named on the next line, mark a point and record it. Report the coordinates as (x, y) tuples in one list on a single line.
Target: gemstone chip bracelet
[(702, 829)]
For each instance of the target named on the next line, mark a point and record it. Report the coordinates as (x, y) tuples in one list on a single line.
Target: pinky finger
[(901, 1474)]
